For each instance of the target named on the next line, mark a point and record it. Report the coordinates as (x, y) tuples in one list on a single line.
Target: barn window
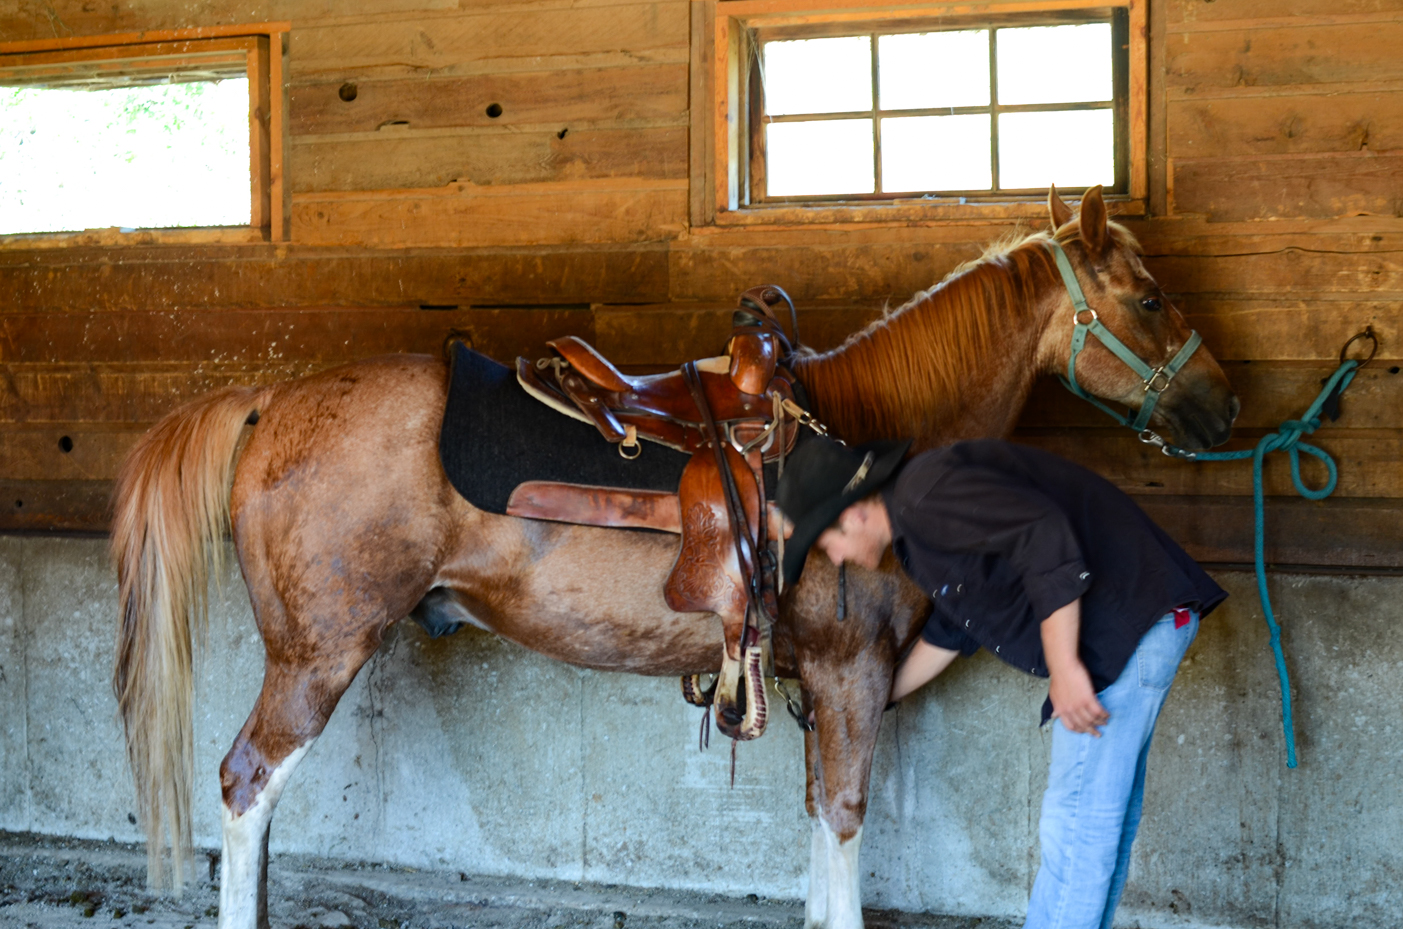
[(933, 110), (142, 135)]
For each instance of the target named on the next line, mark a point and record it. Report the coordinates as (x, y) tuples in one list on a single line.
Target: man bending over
[(1057, 572)]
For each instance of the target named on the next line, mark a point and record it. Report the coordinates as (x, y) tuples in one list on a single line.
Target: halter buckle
[(1076, 317), (1152, 382)]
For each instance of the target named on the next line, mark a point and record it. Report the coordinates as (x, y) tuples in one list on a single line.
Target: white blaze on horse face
[(243, 848), (835, 892)]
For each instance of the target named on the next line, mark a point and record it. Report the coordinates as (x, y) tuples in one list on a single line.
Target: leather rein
[(1156, 380)]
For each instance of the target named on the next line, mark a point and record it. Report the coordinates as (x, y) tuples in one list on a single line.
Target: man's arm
[(1073, 697), (920, 668)]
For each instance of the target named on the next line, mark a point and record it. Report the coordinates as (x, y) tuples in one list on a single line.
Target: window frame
[(728, 133), (258, 50)]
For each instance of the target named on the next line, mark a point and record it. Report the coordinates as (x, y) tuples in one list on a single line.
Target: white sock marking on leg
[(844, 879), (816, 906), (243, 843)]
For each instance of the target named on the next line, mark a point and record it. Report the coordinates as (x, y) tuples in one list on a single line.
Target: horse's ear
[(1061, 212), (1093, 222)]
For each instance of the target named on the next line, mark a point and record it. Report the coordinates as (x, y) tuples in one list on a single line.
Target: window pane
[(138, 157), (831, 156), (818, 75), (1055, 64), (936, 153), (1070, 148), (934, 69)]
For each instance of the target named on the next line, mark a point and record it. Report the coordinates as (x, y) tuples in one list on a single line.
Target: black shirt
[(1002, 535)]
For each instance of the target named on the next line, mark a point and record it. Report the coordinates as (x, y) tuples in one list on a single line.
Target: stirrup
[(743, 679), (694, 693)]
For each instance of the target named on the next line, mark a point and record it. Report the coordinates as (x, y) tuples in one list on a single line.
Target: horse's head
[(1196, 407)]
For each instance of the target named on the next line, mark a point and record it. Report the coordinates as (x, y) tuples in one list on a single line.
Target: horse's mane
[(904, 373)]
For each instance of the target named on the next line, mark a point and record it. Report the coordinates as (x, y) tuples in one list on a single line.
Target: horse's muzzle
[(1199, 423)]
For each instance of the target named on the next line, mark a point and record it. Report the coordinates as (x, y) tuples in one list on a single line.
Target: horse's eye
[(1152, 304)]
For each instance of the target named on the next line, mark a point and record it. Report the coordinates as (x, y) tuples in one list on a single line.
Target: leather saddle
[(731, 413)]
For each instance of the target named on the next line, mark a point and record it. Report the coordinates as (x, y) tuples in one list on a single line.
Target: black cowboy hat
[(821, 479)]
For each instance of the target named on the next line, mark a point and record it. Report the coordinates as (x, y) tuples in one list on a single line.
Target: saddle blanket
[(495, 436)]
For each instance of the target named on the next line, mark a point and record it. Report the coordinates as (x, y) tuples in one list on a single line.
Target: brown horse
[(344, 520)]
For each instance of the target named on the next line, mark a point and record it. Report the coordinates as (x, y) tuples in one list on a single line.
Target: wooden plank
[(1290, 271), (462, 215), (557, 98), (1157, 200), (1357, 532), (1194, 235), (1190, 13), (46, 506), (194, 32), (68, 18), (155, 279), (431, 45), (397, 160), (1270, 394), (1273, 55), (702, 170), (275, 338), (94, 451), (1254, 330), (1345, 122), (670, 334), (279, 190), (1304, 186), (873, 273), (108, 393), (1368, 462)]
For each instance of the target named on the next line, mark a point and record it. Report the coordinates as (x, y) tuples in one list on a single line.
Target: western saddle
[(731, 414)]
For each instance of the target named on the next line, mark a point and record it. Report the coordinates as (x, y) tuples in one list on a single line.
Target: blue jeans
[(1096, 789)]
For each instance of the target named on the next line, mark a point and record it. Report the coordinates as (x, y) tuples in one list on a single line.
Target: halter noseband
[(1156, 380)]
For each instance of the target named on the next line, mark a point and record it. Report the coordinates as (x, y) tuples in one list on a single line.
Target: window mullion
[(876, 123), (993, 109)]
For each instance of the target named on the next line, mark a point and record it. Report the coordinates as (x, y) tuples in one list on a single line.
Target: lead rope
[(1287, 438)]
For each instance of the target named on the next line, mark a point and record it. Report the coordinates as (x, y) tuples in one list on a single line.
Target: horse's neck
[(921, 374)]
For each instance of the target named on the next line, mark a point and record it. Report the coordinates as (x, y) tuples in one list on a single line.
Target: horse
[(343, 521)]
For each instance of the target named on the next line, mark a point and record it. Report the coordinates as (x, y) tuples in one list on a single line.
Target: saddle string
[(842, 591)]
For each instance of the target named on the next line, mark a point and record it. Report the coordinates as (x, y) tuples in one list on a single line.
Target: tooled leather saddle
[(731, 414)]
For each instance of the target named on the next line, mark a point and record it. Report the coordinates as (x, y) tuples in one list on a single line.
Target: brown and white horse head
[(1197, 408)]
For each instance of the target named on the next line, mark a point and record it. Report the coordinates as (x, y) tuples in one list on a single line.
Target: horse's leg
[(292, 709), (846, 668), (816, 904), (847, 713)]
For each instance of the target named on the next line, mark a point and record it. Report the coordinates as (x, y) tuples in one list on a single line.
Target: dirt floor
[(48, 883)]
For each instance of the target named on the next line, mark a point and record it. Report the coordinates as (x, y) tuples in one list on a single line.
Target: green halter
[(1156, 380)]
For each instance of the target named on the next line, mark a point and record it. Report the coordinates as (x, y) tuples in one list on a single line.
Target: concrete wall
[(470, 753)]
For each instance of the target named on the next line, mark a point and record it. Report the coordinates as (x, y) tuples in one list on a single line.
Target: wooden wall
[(1276, 192)]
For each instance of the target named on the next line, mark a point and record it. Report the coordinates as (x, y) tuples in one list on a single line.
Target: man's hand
[(1073, 698), (1074, 701)]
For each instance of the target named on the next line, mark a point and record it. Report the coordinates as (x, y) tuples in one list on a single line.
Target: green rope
[(1287, 439)]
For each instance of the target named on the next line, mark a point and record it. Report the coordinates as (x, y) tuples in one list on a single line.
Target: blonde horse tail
[(170, 513)]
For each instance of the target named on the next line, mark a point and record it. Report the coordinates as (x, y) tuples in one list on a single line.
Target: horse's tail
[(170, 512)]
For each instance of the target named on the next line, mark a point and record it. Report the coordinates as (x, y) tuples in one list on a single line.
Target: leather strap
[(746, 555)]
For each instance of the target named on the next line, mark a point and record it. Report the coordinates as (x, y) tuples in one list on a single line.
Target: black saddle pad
[(495, 436)]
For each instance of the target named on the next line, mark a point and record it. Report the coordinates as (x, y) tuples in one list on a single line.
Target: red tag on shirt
[(1182, 615)]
